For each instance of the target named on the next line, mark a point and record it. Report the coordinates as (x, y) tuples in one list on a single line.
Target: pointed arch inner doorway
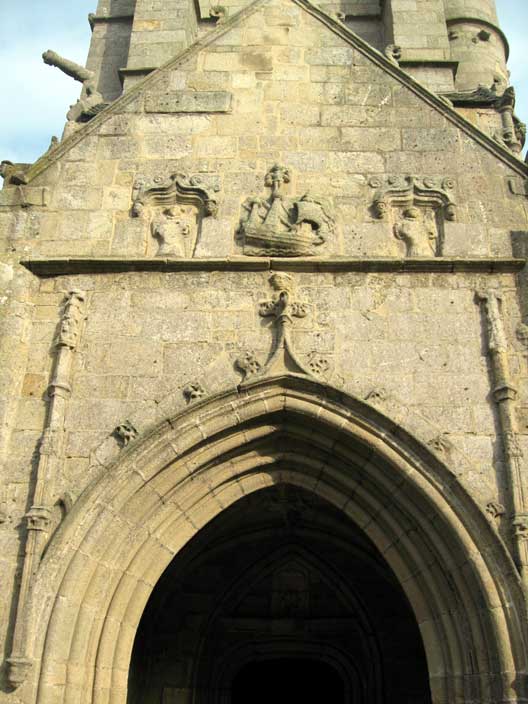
[(280, 598), (152, 545)]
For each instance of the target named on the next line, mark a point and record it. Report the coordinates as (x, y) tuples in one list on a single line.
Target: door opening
[(288, 680)]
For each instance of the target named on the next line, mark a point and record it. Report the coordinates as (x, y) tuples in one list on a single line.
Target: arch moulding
[(124, 530)]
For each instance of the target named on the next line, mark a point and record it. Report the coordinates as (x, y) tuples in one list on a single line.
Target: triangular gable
[(333, 25)]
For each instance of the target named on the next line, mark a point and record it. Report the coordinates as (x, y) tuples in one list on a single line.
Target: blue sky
[(35, 97)]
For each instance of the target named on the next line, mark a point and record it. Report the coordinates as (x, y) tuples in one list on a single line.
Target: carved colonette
[(504, 394), (50, 458)]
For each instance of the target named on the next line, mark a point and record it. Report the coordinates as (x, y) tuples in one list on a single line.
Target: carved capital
[(18, 668), (38, 518)]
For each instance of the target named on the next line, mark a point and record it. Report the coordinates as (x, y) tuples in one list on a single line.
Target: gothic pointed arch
[(126, 528)]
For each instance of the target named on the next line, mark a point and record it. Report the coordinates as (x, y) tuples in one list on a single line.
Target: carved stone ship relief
[(417, 210), (177, 207), (282, 226)]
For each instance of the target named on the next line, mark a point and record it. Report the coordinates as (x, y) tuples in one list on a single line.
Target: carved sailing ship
[(282, 226)]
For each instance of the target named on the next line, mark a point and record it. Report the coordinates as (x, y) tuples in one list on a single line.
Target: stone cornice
[(44, 267), (334, 25), (103, 19)]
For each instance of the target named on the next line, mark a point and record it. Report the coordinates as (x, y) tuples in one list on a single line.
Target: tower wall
[(419, 28), (159, 32), (477, 43)]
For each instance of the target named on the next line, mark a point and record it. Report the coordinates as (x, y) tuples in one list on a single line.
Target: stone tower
[(264, 339)]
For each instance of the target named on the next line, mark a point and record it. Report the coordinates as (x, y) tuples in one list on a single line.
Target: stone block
[(188, 102)]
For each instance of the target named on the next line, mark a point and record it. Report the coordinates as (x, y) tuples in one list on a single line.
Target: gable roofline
[(335, 26)]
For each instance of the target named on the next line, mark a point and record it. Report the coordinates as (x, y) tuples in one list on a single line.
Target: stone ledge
[(101, 19), (448, 265)]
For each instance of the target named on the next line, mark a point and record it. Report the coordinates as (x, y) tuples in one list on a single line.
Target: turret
[(477, 43)]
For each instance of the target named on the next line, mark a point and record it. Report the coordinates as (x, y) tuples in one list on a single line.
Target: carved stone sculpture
[(13, 174), (172, 230), (283, 308), (125, 433), (71, 319), (177, 206), (248, 364), (193, 392), (394, 53), (419, 236), (92, 103), (418, 209), (495, 510), (282, 226), (219, 13)]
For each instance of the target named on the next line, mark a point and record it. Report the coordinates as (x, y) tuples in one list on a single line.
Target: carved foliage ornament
[(179, 204), (283, 308), (283, 226)]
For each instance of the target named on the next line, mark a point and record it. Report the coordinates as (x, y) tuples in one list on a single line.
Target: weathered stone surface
[(189, 101), (263, 350)]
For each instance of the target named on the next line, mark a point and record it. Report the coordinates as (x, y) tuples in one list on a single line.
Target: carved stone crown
[(406, 191), (177, 188)]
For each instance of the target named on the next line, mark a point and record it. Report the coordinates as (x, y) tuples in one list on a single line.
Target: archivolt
[(125, 529)]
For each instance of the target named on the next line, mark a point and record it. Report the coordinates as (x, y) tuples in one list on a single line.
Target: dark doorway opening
[(287, 680), (284, 592)]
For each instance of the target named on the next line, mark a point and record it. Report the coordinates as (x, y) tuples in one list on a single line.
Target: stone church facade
[(264, 383)]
